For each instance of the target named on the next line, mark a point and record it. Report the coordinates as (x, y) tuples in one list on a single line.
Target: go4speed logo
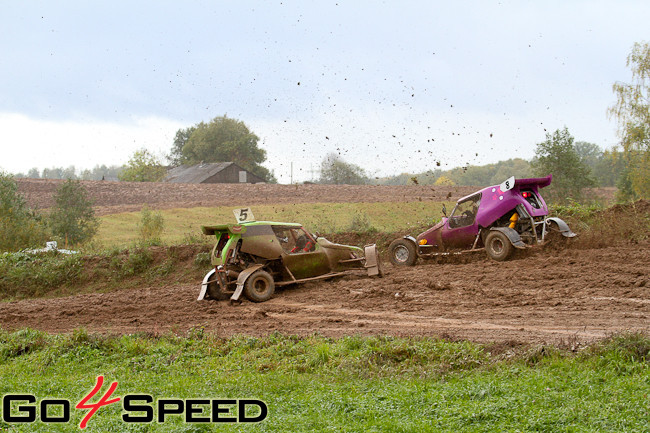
[(136, 408)]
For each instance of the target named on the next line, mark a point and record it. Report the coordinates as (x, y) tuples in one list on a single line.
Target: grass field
[(182, 224), (352, 384)]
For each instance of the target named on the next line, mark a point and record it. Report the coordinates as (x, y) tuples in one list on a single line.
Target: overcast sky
[(393, 86)]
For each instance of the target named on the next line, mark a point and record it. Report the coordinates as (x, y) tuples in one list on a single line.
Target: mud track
[(547, 296)]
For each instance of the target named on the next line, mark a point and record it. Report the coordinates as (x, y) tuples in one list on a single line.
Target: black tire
[(259, 287), (402, 252), (554, 238), (215, 292), (497, 246)]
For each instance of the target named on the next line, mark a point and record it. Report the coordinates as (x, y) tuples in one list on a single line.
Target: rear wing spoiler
[(234, 229), (541, 182)]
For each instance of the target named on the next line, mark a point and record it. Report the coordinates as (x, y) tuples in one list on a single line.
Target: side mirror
[(444, 210)]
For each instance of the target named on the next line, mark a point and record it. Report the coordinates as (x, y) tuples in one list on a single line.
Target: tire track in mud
[(546, 296), (420, 323)]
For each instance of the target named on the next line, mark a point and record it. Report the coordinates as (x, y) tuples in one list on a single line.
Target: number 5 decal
[(243, 215)]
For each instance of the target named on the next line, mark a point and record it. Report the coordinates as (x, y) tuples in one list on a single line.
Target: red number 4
[(94, 407)]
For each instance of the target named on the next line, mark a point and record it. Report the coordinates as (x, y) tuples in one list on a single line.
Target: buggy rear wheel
[(259, 287), (215, 292), (497, 246), (402, 252), (553, 237)]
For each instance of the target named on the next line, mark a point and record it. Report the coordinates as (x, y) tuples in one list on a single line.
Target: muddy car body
[(499, 219), (254, 257)]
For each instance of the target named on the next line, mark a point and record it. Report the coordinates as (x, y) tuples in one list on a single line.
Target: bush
[(73, 218), (361, 224), (20, 227), (151, 226)]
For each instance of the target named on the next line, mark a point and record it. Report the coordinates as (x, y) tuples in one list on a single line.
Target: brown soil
[(116, 197), (549, 296), (546, 295)]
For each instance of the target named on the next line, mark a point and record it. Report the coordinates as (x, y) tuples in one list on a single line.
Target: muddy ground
[(556, 296), (559, 297)]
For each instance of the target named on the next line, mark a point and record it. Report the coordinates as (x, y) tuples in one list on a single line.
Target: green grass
[(185, 224), (351, 384)]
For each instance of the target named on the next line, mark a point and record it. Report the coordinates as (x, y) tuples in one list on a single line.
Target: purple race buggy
[(498, 218)]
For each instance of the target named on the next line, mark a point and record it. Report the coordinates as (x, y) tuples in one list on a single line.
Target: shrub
[(151, 226), (73, 217), (20, 227), (361, 224)]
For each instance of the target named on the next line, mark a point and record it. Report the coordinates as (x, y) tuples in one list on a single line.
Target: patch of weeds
[(536, 354), (196, 333), (151, 226), (574, 209), (197, 238), (361, 224), (21, 342), (321, 355), (202, 259), (626, 353), (136, 262), (25, 275), (162, 270)]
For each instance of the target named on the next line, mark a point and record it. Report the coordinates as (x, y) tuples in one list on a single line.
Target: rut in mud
[(546, 296)]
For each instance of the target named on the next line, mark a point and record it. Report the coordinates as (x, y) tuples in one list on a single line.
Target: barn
[(216, 172)]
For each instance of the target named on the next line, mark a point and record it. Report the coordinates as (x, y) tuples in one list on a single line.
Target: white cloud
[(28, 142)]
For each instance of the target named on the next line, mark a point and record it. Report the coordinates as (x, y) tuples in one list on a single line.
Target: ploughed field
[(116, 197), (543, 295)]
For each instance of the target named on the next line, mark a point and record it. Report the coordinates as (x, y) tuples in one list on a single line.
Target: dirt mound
[(619, 223), (638, 207), (562, 296)]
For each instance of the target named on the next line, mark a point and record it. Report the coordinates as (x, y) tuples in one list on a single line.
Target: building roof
[(195, 173)]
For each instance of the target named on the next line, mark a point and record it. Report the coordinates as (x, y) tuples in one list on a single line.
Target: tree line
[(99, 172)]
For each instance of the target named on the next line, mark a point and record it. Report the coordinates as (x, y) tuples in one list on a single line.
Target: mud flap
[(204, 285), (512, 235), (564, 227), (241, 280), (373, 264)]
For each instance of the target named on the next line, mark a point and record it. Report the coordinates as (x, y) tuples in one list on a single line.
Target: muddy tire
[(554, 239), (402, 252), (498, 247), (259, 287), (214, 291)]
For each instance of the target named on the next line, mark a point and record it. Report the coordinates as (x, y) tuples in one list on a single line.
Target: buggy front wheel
[(402, 252)]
